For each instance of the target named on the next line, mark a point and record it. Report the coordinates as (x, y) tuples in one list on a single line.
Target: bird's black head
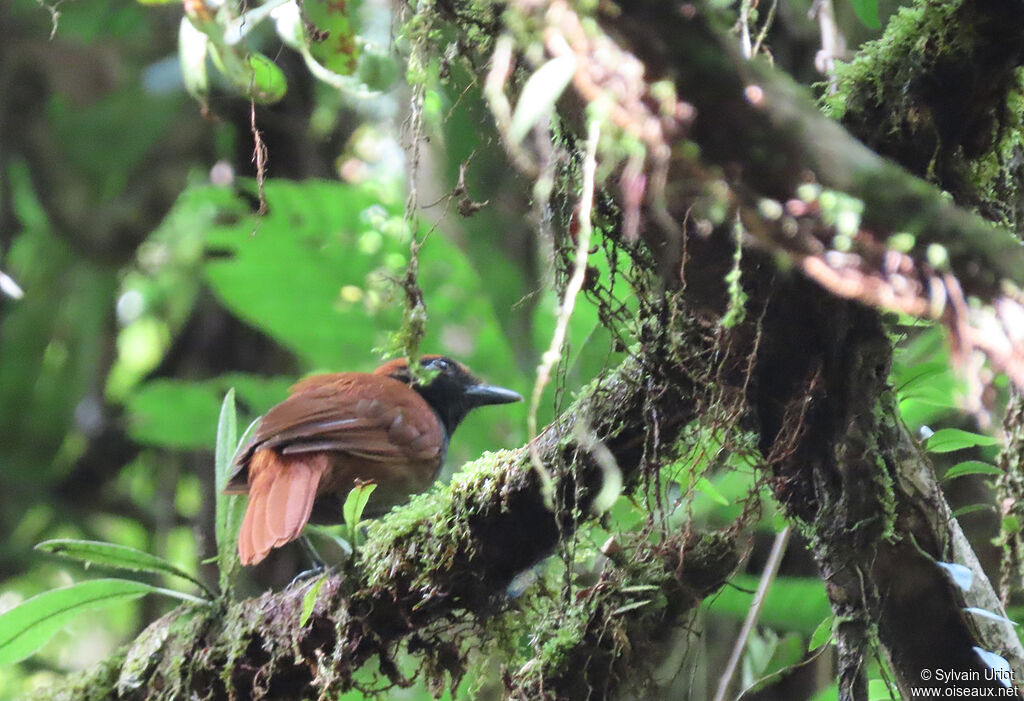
[(450, 389)]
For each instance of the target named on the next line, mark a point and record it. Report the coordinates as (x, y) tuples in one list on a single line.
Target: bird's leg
[(318, 568)]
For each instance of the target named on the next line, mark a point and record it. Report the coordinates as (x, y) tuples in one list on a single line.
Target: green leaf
[(971, 467), (822, 634), (173, 414), (340, 49), (867, 12), (540, 94), (630, 606), (30, 625), (779, 655), (183, 414), (309, 601), (251, 73), (705, 487), (355, 503), (947, 440), (331, 534), (792, 604), (972, 508), (878, 690), (229, 509), (117, 556)]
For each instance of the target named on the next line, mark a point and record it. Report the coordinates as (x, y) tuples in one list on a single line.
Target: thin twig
[(771, 568)]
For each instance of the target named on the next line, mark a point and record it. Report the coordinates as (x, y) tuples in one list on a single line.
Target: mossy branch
[(446, 557)]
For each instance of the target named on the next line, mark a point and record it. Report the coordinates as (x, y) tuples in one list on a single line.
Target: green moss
[(883, 69), (424, 536)]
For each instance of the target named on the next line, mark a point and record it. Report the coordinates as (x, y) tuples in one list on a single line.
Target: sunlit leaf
[(30, 625), (947, 440), (971, 467), (173, 414), (251, 73), (116, 556), (972, 508), (822, 634), (878, 690), (705, 487), (229, 509), (785, 652), (354, 505), (792, 604), (309, 601)]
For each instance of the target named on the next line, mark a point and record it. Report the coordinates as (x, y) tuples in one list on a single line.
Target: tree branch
[(442, 561)]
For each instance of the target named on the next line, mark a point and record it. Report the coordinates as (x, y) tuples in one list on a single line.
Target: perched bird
[(308, 452)]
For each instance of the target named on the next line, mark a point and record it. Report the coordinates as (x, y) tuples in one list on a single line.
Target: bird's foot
[(312, 572)]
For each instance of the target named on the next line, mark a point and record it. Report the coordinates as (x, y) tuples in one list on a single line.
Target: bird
[(338, 430)]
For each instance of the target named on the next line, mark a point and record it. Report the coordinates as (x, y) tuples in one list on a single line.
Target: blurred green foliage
[(150, 292)]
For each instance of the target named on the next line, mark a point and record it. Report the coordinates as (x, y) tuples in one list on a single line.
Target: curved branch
[(446, 557)]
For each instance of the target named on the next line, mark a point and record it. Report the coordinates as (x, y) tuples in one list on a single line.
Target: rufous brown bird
[(335, 430)]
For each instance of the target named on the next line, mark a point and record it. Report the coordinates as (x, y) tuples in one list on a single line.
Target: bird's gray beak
[(482, 395)]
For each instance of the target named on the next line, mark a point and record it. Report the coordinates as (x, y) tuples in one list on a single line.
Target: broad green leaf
[(183, 414), (317, 275), (933, 375), (30, 625), (792, 604), (250, 73), (229, 509), (339, 51), (705, 487), (822, 634), (309, 601), (971, 467), (332, 534), (354, 505), (867, 12), (947, 440), (878, 690), (786, 652), (117, 556), (540, 94), (173, 414)]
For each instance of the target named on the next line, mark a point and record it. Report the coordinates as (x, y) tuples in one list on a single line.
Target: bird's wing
[(369, 416)]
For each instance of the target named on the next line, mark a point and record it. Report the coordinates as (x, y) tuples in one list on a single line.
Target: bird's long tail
[(281, 493)]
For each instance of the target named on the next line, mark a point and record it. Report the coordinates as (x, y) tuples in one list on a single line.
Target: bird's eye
[(442, 364)]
